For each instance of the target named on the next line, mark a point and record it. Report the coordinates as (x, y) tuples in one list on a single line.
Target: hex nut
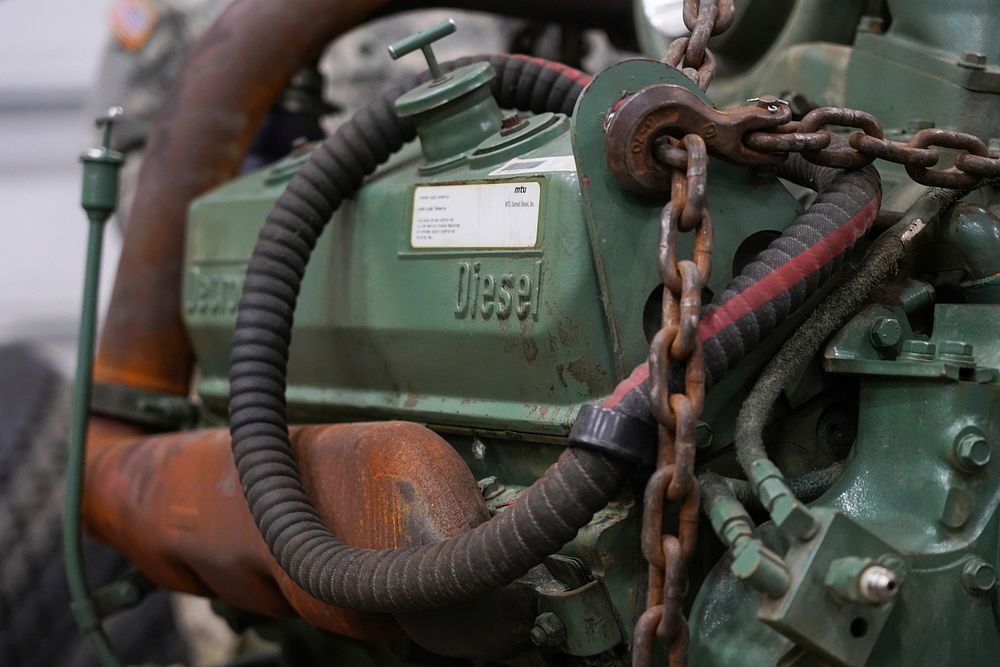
[(548, 631), (917, 350), (978, 576), (957, 352), (973, 451)]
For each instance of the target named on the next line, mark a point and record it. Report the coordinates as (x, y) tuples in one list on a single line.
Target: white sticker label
[(519, 166), (488, 215)]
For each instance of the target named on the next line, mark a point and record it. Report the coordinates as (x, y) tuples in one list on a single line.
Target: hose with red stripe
[(779, 279)]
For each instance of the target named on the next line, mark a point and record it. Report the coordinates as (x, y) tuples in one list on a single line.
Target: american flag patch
[(132, 22)]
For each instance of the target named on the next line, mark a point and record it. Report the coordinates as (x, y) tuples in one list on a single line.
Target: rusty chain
[(691, 55), (686, 161), (816, 143), (676, 413)]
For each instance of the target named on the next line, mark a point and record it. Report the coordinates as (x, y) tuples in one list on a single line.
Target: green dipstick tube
[(99, 198)]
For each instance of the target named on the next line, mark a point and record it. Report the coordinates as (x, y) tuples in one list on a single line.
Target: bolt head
[(973, 451), (885, 333), (979, 576)]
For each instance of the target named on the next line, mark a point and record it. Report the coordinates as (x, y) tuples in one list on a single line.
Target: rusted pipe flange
[(671, 110)]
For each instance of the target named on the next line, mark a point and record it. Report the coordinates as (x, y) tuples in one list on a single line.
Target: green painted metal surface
[(918, 68), (386, 329), (624, 228), (908, 483), (496, 347)]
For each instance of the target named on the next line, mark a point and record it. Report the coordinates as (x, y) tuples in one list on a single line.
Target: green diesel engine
[(723, 368)]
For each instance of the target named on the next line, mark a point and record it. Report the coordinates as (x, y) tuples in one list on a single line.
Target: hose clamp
[(610, 432)]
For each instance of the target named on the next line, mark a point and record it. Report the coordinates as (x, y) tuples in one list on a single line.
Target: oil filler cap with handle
[(454, 111)]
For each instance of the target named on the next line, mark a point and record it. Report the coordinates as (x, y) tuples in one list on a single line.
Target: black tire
[(36, 626)]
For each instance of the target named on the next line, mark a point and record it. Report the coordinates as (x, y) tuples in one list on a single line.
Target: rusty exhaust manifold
[(173, 505)]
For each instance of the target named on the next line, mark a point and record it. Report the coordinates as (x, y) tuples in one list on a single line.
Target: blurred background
[(49, 59)]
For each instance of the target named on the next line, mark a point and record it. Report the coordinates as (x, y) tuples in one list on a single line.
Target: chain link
[(677, 343), (691, 55), (918, 155), (677, 413)]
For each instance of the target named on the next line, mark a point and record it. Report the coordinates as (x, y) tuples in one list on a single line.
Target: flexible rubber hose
[(493, 554), (780, 278), (881, 262)]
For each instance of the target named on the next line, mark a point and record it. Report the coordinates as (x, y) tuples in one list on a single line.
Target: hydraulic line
[(882, 261), (488, 557), (807, 487)]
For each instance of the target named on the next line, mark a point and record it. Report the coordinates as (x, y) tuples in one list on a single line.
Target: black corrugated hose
[(780, 278), (551, 512), (493, 554)]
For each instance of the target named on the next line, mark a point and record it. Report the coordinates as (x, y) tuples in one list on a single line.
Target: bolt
[(972, 60), (918, 350), (872, 24), (877, 584), (979, 576), (548, 631), (973, 451), (885, 333)]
